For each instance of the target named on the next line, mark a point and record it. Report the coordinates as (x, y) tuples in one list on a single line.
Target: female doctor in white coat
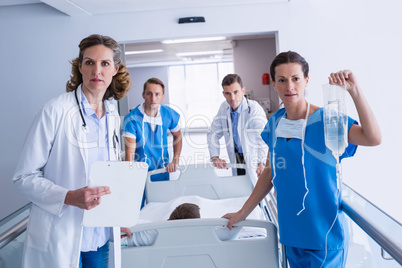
[(69, 133), (251, 121)]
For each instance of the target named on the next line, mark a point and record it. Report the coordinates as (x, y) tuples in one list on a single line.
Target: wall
[(139, 76), (251, 59), (331, 34)]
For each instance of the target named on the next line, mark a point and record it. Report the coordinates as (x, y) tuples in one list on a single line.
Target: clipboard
[(121, 208)]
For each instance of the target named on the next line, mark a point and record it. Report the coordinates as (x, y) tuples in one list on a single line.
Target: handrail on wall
[(17, 229), (13, 232), (382, 238), (378, 234)]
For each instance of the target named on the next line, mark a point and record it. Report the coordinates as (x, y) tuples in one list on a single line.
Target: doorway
[(182, 63)]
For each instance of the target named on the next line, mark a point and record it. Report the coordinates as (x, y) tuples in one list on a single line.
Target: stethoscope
[(248, 105), (84, 123), (85, 127)]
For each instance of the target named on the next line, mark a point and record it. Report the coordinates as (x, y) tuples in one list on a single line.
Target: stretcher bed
[(193, 242)]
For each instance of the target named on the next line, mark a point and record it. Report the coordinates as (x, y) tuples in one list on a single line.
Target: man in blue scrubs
[(145, 131)]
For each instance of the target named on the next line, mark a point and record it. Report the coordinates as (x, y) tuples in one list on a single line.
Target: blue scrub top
[(155, 143), (308, 229)]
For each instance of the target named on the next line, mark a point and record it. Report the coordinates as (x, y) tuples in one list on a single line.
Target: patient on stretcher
[(183, 211)]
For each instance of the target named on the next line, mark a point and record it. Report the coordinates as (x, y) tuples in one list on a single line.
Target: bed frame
[(193, 242)]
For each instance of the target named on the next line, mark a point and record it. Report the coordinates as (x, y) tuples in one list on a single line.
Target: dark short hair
[(231, 79), (288, 57), (155, 81), (185, 211)]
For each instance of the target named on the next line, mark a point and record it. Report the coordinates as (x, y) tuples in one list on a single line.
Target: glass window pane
[(196, 91), (177, 92)]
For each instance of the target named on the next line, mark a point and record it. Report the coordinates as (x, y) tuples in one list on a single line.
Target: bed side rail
[(194, 243), (201, 180), (210, 222)]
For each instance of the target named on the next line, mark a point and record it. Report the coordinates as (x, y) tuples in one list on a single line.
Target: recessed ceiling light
[(191, 40), (198, 53), (143, 51)]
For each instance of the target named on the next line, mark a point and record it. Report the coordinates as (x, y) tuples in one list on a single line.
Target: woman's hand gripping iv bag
[(335, 123)]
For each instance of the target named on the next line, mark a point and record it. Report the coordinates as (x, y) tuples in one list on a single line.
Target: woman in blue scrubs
[(303, 170), (145, 131)]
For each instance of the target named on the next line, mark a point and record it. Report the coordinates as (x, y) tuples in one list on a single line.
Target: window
[(195, 91)]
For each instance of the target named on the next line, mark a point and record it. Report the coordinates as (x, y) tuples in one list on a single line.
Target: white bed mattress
[(209, 208)]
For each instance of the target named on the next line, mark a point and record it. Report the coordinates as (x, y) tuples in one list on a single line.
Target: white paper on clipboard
[(121, 208)]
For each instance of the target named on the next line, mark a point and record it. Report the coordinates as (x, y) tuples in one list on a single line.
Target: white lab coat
[(54, 161), (251, 123)]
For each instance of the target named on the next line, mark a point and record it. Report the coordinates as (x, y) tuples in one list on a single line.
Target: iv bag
[(335, 119)]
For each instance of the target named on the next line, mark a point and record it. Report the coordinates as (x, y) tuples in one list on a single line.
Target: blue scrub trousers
[(302, 258), (95, 259)]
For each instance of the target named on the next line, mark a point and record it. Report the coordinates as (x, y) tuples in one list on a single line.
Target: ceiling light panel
[(198, 53), (192, 40), (143, 51)]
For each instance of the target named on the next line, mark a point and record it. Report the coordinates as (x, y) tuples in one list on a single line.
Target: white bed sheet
[(158, 211), (209, 208)]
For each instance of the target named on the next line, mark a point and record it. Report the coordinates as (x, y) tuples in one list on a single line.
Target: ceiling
[(223, 48), (94, 7), (203, 51)]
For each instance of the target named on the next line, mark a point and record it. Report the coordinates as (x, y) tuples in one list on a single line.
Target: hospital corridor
[(205, 134)]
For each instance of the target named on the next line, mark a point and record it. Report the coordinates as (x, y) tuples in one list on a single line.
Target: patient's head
[(185, 211)]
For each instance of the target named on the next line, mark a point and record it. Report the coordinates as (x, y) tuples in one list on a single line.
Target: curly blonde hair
[(121, 82)]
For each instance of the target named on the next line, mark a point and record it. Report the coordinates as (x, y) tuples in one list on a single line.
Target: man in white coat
[(241, 122)]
